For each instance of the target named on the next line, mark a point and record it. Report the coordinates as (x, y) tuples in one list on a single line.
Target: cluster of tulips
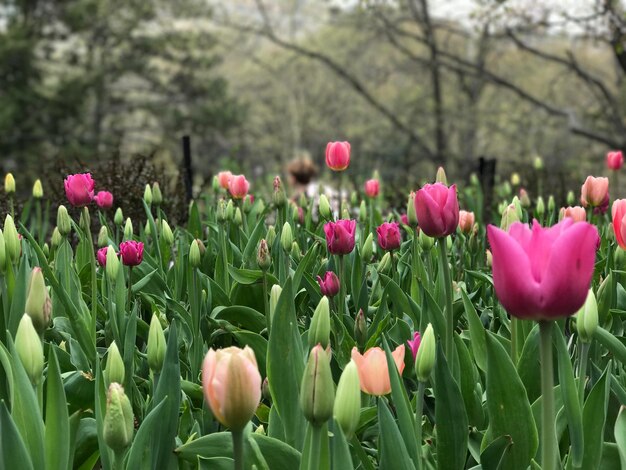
[(276, 334)]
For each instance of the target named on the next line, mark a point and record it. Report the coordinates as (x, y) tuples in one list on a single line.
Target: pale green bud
[(9, 183), (118, 217), (368, 249), (271, 235), (147, 195), (103, 237), (319, 331), (286, 237), (538, 163), (425, 241), (571, 199), (37, 189), (57, 238), (410, 210), (541, 208), (360, 329), (156, 345), (238, 218), (166, 232), (347, 409), (3, 252), (29, 349), (11, 240), (384, 266), (587, 318), (425, 358), (363, 212), (551, 204), (295, 251), (128, 229), (324, 208), (115, 370), (230, 210), (194, 254), (157, 196), (113, 264), (38, 304), (317, 392), (441, 176), (274, 296), (509, 216), (64, 223), (118, 419)]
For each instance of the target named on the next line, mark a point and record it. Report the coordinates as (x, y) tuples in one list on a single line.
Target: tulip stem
[(266, 303), (315, 449), (582, 369), (419, 411), (548, 427), (238, 449), (358, 448), (447, 280), (514, 325), (342, 288)]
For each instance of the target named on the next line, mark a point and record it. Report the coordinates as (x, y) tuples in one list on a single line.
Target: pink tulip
[(101, 255), (132, 252), (437, 209), (79, 189), (373, 370), (338, 155), (618, 211), (238, 186), (224, 178), (372, 188), (340, 236), (389, 237), (576, 213), (614, 160), (232, 385), (104, 199), (543, 273), (414, 344), (466, 221), (329, 285), (404, 219), (595, 191)]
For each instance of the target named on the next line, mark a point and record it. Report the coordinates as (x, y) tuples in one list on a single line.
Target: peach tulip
[(466, 221), (577, 213), (594, 191), (373, 370)]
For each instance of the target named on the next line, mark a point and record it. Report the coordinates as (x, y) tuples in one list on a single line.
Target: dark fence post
[(187, 170), (487, 172)]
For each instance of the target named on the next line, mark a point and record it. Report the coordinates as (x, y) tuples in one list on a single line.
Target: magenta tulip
[(614, 160), (437, 209), (543, 273), (79, 189), (389, 237), (340, 236), (372, 188), (104, 199), (329, 285), (414, 343), (338, 155), (101, 255), (132, 252)]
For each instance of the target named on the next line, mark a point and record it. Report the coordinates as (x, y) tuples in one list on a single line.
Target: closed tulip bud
[(64, 223), (38, 304), (156, 345), (265, 389), (587, 318), (263, 258), (506, 188), (488, 258), (221, 211), (157, 196), (9, 184), (515, 179), (363, 212), (194, 254), (347, 409), (317, 392), (518, 207), (441, 176), (238, 186), (215, 184), (147, 195), (103, 237), (449, 243), (37, 189), (45, 249), (541, 208), (274, 296), (425, 241), (303, 201), (524, 198), (295, 214), (295, 251), (146, 229), (3, 252), (12, 240), (230, 210), (166, 232), (411, 215), (279, 197), (338, 155), (270, 236), (56, 238), (286, 237), (466, 221), (509, 216), (360, 329), (118, 217), (474, 180), (118, 419), (384, 266), (112, 266), (238, 217), (571, 199), (319, 331), (619, 257), (115, 370), (425, 358), (368, 249), (324, 208), (538, 163), (248, 202), (85, 220), (29, 349), (128, 229), (551, 204)]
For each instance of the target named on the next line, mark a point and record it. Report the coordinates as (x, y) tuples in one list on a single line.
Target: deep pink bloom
[(79, 189), (372, 188), (618, 211), (437, 209), (595, 191), (329, 286), (414, 344), (405, 219), (104, 199), (340, 236), (614, 160), (389, 237), (603, 207), (132, 252), (224, 178), (338, 155), (101, 255), (238, 186), (466, 221), (543, 273)]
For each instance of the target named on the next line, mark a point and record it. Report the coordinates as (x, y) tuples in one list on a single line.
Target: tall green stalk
[(548, 425), (447, 279), (238, 453), (582, 369)]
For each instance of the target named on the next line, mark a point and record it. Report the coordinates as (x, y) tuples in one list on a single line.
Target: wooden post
[(187, 169)]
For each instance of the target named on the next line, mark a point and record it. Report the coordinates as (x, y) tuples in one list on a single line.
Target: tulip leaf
[(508, 416), (18, 299), (594, 418), (391, 448), (305, 265), (258, 344), (492, 458), (13, 453), (141, 451), (528, 365), (241, 316), (57, 437), (477, 332), (610, 342), (340, 450), (470, 385), (249, 252), (620, 435)]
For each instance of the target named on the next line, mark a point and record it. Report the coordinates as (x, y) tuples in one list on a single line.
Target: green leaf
[(477, 333), (620, 435), (57, 438), (594, 418), (340, 450), (249, 253), (13, 453), (528, 365), (140, 453), (610, 342), (241, 316), (391, 448), (470, 385), (492, 457)]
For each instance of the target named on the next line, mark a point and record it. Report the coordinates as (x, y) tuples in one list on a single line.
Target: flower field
[(315, 333)]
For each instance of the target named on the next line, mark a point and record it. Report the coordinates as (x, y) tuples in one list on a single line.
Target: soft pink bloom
[(224, 178), (79, 189), (101, 255), (595, 191), (104, 199), (437, 209), (329, 285), (618, 211), (132, 252), (373, 370), (414, 344), (338, 155), (372, 188), (389, 237), (466, 221), (232, 385), (576, 213), (543, 273), (614, 160), (340, 236), (238, 186)]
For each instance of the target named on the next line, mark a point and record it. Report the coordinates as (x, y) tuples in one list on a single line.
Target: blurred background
[(478, 86)]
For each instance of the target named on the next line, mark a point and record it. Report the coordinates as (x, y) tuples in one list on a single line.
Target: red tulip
[(389, 237), (104, 199), (238, 186), (224, 178), (340, 236), (543, 273), (614, 160), (79, 189), (329, 286), (338, 155), (372, 188), (466, 221), (576, 213), (132, 252), (437, 209), (414, 343), (595, 192), (101, 255), (618, 212)]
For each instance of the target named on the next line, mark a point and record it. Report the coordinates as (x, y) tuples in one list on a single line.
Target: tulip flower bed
[(273, 335)]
